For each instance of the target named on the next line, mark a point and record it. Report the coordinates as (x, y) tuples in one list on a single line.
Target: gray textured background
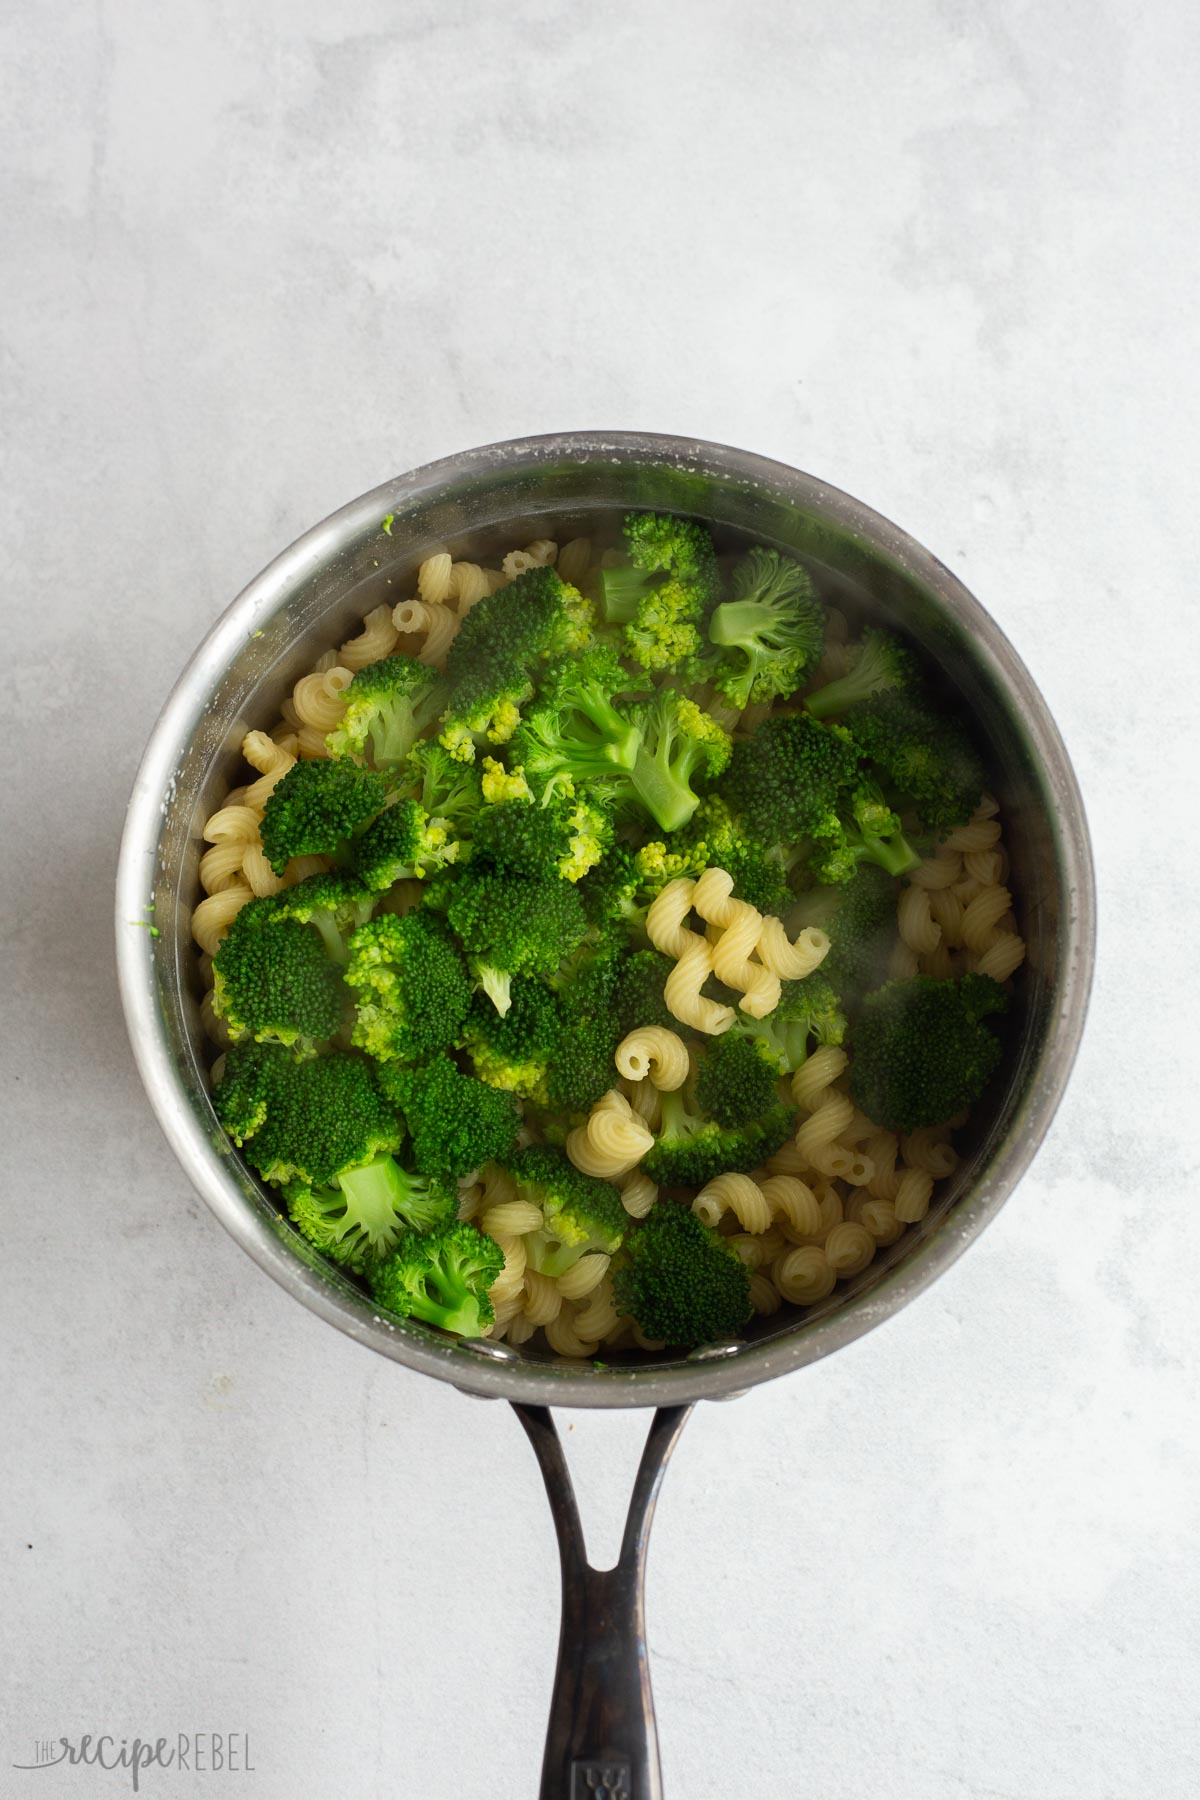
[(258, 257)]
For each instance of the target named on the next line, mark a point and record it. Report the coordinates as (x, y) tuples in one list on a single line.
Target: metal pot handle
[(601, 1740)]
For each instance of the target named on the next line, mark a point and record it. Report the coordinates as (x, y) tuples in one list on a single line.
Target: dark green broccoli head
[(861, 922), (638, 993), (337, 904), (272, 978), (680, 1281), (401, 843), (448, 788), (610, 891), (575, 737), (441, 1277), (410, 986), (389, 704), (715, 839), (497, 648), (691, 1148), (242, 1097), (582, 1067), (808, 1010), (514, 1050), (360, 1218), (927, 758), (880, 664), (681, 745), (771, 632), (867, 831), (316, 1118), (921, 1050), (736, 1084), (580, 1212), (457, 1123), (559, 837), (787, 780), (662, 596), (513, 925), (318, 808)]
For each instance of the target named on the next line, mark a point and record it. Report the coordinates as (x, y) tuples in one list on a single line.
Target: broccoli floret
[(314, 1118), (681, 1281), (497, 647), (691, 1148), (872, 833), (410, 986), (513, 925), (318, 808), (662, 597), (881, 662), (337, 904), (242, 1097), (457, 1123), (774, 622), (389, 704), (401, 843), (861, 921), (582, 1067), (638, 992), (679, 744), (513, 1050), (580, 1212), (610, 891), (441, 1277), (921, 1050), (807, 1009), (449, 790), (787, 780), (273, 979), (656, 864), (925, 756), (735, 1083), (575, 733), (718, 840), (362, 1216), (556, 837)]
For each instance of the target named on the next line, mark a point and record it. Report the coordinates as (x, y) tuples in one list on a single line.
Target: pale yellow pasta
[(733, 960), (764, 1296), (521, 1329), (496, 579), (966, 890), (912, 1196), (937, 872), (988, 867), (825, 1066), (879, 1217), (509, 1285), (791, 960), (787, 1161), (542, 1298), (518, 562), (310, 743), (574, 559), (327, 660), (793, 1200), (837, 626), (883, 1150), (638, 1194), (301, 867), (849, 1248), (919, 930), (977, 834), (612, 1142), (214, 915), (214, 1028), (982, 916), (320, 700), (753, 716), (929, 1149), (939, 963), (804, 1275), (510, 1218), (468, 586), (221, 866), (563, 1338), (284, 734), (435, 579), (272, 762), (736, 1194), (823, 1127), (947, 909), (543, 552), (470, 1198), (860, 1127), (903, 963), (652, 1052), (597, 1315), (756, 1249), (412, 618), (681, 991), (583, 1276), (440, 634), (1003, 956), (232, 825), (376, 640), (645, 1100), (643, 1342), (259, 873)]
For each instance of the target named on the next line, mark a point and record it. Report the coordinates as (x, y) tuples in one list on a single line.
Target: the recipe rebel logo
[(195, 1753)]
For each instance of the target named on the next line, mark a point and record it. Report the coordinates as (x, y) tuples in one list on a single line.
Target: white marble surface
[(258, 258)]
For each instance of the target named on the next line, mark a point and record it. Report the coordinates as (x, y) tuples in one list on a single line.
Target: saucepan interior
[(563, 486)]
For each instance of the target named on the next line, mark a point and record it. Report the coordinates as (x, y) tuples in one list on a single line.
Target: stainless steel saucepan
[(601, 1741)]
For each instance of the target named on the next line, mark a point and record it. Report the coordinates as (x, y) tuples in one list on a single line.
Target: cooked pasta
[(733, 961), (655, 1053), (376, 640), (613, 1141), (791, 960), (912, 1196), (736, 1194), (435, 579), (919, 930), (214, 915), (638, 1194), (583, 1276)]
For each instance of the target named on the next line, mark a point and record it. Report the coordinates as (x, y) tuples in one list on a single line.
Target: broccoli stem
[(622, 738), (871, 670), (335, 943), (894, 854), (374, 1193), (662, 787), (621, 591), (740, 623), (496, 984)]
